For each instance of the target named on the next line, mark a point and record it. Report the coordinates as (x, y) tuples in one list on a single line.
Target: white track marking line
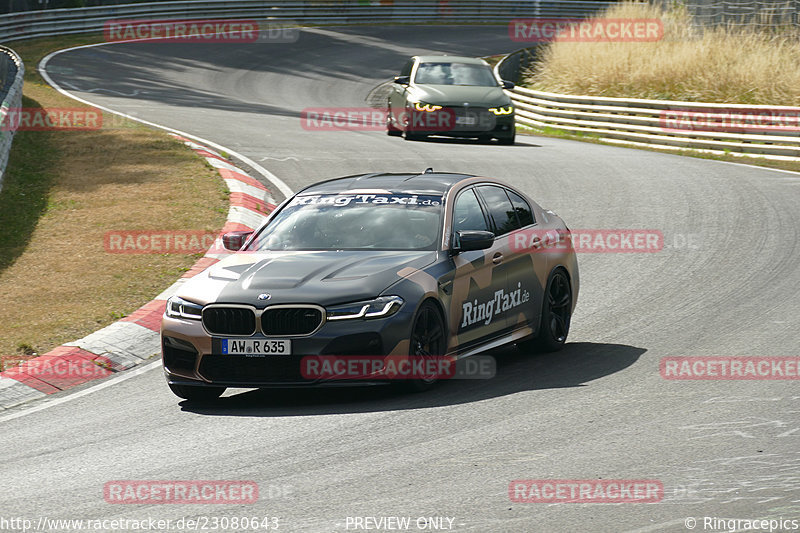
[(46, 404), (281, 186)]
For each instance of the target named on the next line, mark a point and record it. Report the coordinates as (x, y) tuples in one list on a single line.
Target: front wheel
[(195, 393), (509, 139), (415, 136), (427, 342), (391, 130), (556, 315)]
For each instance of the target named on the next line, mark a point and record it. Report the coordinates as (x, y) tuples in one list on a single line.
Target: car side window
[(524, 212), (407, 68), (467, 213), (500, 209)]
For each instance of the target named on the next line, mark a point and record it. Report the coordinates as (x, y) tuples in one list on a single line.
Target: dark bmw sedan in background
[(409, 265), (452, 96)]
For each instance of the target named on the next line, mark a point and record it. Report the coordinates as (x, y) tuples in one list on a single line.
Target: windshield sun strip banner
[(344, 200)]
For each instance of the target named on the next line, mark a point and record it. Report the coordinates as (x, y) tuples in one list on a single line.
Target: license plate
[(255, 346), (466, 121)]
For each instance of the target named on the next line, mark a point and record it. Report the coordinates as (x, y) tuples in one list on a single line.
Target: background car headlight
[(505, 110), (422, 106), (377, 308), (180, 308)]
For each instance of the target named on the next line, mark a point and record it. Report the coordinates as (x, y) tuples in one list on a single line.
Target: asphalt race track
[(725, 284)]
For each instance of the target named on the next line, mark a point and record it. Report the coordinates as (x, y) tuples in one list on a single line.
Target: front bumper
[(461, 122), (188, 356)]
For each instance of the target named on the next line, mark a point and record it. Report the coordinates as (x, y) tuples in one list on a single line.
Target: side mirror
[(507, 85), (468, 240), (402, 80), (234, 240)]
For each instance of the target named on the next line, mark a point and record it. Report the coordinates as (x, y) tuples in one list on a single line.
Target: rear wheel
[(195, 393), (427, 342), (556, 315)]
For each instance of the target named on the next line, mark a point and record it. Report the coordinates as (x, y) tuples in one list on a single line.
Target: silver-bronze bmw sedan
[(376, 265)]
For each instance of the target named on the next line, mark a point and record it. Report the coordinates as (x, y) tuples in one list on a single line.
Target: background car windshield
[(455, 74), (354, 222)]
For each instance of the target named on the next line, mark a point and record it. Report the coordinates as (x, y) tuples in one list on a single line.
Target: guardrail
[(12, 70), (63, 21), (771, 132), (767, 13)]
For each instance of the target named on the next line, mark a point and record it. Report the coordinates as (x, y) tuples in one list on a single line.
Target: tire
[(427, 339), (556, 315), (391, 131), (195, 393), (509, 140), (411, 135)]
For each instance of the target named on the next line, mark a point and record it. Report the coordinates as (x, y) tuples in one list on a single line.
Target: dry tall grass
[(751, 64)]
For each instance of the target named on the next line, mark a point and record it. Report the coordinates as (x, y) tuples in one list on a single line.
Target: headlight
[(507, 110), (422, 106), (180, 308), (377, 308)]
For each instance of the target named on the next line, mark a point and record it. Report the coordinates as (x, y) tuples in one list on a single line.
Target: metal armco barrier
[(11, 93), (44, 23), (771, 132)]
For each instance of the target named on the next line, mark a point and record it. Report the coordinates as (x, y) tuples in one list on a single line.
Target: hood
[(456, 95), (324, 277)]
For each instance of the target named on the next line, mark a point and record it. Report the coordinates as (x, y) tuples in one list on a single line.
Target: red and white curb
[(135, 338)]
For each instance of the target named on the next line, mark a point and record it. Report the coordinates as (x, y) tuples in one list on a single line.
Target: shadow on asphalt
[(574, 366)]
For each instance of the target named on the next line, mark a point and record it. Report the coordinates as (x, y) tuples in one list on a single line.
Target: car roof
[(451, 59), (395, 183)]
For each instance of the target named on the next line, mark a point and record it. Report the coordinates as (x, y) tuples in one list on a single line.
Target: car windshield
[(455, 74), (354, 222)]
